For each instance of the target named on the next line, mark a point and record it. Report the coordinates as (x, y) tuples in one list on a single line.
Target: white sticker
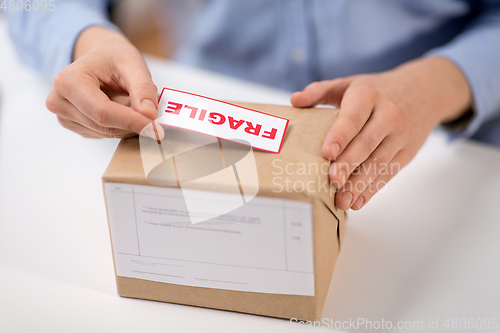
[(221, 119), (264, 246)]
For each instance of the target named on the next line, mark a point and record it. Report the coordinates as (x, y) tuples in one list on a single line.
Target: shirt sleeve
[(44, 40), (476, 51)]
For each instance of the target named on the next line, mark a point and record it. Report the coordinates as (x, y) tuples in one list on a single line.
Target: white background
[(429, 247)]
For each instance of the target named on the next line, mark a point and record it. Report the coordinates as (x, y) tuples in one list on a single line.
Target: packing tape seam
[(338, 221)]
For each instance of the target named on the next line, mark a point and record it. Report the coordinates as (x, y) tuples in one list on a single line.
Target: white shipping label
[(263, 246), (220, 119)]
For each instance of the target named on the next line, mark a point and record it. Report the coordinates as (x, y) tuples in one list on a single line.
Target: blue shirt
[(290, 43)]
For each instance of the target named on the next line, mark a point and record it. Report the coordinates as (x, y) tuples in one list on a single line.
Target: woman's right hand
[(107, 91)]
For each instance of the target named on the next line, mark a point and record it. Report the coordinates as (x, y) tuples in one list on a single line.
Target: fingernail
[(347, 196), (359, 202), (335, 149), (148, 105)]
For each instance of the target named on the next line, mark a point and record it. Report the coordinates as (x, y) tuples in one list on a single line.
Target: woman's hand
[(384, 119), (92, 96)]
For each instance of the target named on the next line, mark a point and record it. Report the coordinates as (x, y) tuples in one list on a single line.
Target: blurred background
[(140, 21)]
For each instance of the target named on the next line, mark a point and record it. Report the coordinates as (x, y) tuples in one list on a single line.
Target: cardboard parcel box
[(224, 226)]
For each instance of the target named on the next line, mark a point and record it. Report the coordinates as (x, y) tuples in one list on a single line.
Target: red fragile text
[(220, 119)]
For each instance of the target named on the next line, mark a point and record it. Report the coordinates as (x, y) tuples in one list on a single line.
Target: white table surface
[(428, 247)]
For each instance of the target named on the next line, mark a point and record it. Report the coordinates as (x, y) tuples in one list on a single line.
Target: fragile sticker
[(221, 119)]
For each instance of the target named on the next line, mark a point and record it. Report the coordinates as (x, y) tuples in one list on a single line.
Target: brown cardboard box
[(301, 149)]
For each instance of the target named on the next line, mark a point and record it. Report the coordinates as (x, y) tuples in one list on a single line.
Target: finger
[(93, 102), (138, 83), (400, 160), (142, 93), (79, 129), (89, 133), (379, 163), (120, 99), (355, 109), (64, 109), (321, 92), (359, 149)]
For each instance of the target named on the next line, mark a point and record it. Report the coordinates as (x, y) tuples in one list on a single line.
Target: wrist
[(93, 36), (443, 85)]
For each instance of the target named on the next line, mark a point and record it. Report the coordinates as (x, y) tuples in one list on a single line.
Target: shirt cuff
[(45, 40), (482, 70)]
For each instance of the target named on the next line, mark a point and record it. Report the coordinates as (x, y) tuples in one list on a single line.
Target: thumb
[(140, 87), (142, 92), (321, 92)]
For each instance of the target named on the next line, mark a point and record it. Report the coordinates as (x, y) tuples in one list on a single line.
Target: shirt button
[(298, 56)]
